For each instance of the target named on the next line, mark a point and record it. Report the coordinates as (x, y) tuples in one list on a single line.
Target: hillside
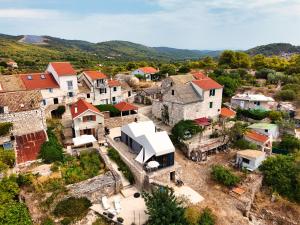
[(35, 51), (274, 49)]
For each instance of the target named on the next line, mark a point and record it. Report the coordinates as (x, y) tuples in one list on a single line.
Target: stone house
[(23, 109), (185, 98), (102, 89), (252, 101), (146, 72), (146, 95), (87, 119)]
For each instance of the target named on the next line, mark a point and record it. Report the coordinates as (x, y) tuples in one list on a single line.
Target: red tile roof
[(203, 121), (94, 75), (63, 68), (125, 106), (257, 136), (207, 84), (39, 81), (82, 106), (226, 112), (148, 69), (28, 146), (198, 75), (113, 83)]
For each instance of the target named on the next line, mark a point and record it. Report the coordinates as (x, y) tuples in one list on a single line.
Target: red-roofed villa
[(146, 72)]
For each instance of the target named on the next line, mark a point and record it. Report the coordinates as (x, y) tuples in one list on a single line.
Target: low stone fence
[(119, 121)]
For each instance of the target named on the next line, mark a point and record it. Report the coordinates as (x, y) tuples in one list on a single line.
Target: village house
[(250, 159), (145, 72), (263, 142), (268, 129), (87, 119), (127, 92), (12, 64), (186, 98), (252, 101), (148, 144), (66, 77), (102, 89), (147, 95), (24, 110)]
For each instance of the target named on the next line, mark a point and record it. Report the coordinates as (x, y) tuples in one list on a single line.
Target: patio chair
[(105, 203), (117, 204)]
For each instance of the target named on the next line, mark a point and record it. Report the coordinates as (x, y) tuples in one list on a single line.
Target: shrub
[(5, 128), (7, 157), (224, 176), (192, 215), (51, 150), (114, 155), (72, 207), (114, 112), (184, 127), (207, 217), (275, 116), (244, 144), (255, 114), (286, 95), (290, 143)]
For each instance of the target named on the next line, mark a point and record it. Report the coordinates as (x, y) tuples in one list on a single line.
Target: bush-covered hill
[(274, 49)]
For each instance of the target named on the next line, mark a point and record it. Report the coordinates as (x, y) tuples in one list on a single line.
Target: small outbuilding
[(250, 159), (126, 108), (268, 129)]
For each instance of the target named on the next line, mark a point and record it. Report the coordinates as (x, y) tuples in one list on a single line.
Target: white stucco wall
[(253, 163)]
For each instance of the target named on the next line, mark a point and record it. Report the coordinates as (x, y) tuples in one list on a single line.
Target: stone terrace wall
[(96, 187), (113, 122)]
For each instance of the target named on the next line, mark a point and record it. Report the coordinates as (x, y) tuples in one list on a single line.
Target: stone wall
[(119, 121), (25, 122), (96, 187)]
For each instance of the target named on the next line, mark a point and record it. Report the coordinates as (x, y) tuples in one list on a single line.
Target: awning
[(83, 140), (203, 121), (153, 164)]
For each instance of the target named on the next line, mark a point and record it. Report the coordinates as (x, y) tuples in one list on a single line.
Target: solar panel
[(29, 77), (43, 76)]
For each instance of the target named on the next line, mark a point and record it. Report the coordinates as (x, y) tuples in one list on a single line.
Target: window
[(113, 99), (89, 118), (70, 84), (102, 90), (88, 95), (44, 102), (247, 161), (1, 109), (212, 92), (129, 93), (173, 92), (171, 84), (55, 100), (210, 105), (70, 94), (50, 90), (115, 88), (266, 130), (257, 103)]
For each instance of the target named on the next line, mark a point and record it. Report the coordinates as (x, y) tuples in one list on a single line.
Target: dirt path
[(197, 176)]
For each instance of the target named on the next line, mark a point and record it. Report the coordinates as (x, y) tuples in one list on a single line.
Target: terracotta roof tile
[(148, 69), (63, 68), (39, 81), (207, 84), (113, 83), (257, 136), (82, 106), (198, 75), (94, 75), (125, 106), (226, 112)]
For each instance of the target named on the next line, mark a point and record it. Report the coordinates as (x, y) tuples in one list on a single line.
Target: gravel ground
[(197, 176)]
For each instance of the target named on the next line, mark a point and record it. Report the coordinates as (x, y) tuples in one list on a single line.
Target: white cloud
[(28, 13)]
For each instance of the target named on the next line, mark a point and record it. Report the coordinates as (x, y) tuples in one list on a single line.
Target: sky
[(188, 24)]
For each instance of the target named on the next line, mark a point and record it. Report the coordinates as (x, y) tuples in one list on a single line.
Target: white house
[(87, 119), (252, 101), (145, 72), (267, 129), (149, 145), (250, 159), (188, 100), (66, 77), (102, 90)]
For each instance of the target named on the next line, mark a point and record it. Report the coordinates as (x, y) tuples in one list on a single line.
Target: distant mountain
[(110, 50), (274, 49)]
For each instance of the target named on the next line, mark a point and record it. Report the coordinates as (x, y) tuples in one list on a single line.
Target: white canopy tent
[(83, 140)]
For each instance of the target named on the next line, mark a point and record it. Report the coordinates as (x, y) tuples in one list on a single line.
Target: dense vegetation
[(224, 176), (89, 164), (51, 150), (5, 128), (11, 210), (184, 130), (109, 108), (115, 156), (282, 174), (7, 159)]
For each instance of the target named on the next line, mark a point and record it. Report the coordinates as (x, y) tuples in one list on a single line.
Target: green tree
[(243, 60), (185, 129), (286, 95), (228, 59), (230, 85), (169, 69), (164, 208), (259, 62), (207, 217), (290, 143)]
